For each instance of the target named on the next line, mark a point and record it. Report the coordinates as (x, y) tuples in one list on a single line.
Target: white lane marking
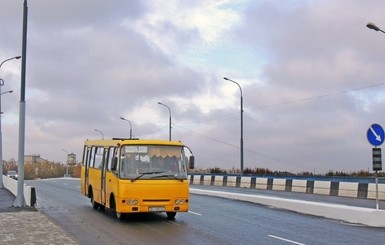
[(286, 240), (191, 212), (65, 183)]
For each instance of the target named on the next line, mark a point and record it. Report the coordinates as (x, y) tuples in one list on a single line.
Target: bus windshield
[(152, 162)]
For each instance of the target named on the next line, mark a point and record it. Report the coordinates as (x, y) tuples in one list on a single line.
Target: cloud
[(310, 71)]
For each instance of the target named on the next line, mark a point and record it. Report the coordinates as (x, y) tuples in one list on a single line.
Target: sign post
[(376, 137), (377, 166)]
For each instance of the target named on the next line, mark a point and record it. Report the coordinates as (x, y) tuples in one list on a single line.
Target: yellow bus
[(136, 176)]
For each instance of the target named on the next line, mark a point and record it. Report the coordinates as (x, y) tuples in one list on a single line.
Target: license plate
[(156, 209)]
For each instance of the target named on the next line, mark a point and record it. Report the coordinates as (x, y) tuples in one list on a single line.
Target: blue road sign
[(375, 134)]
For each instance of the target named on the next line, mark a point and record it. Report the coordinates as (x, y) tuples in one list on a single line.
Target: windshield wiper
[(167, 175), (142, 174)]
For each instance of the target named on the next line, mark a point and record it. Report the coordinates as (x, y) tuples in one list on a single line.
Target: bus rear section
[(136, 176)]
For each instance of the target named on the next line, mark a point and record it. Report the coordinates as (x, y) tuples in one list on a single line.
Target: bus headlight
[(132, 202), (179, 202)]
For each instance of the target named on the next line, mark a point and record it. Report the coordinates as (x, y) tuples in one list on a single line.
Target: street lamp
[(241, 121), (372, 26), (16, 57), (100, 133), (169, 130), (1, 136), (130, 125), (6, 92)]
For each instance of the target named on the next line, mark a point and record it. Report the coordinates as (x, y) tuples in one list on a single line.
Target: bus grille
[(156, 200)]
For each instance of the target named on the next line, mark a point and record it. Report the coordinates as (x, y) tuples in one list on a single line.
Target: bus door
[(108, 154), (86, 162), (111, 174), (103, 177)]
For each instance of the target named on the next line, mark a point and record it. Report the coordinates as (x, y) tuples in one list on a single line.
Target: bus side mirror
[(191, 162), (114, 163)]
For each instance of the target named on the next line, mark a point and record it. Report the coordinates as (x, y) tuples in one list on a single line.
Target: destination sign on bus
[(136, 149)]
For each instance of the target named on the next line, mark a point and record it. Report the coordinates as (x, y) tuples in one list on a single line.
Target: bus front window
[(150, 160)]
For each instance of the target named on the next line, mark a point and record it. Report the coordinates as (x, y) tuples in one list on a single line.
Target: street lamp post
[(130, 125), (20, 200), (169, 128), (372, 26), (1, 136), (241, 141), (100, 133)]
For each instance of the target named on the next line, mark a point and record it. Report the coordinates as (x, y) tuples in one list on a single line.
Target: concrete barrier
[(261, 183), (29, 191), (320, 187), (299, 185)]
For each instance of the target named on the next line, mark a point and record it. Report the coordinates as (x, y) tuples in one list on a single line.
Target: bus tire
[(95, 205), (118, 215), (102, 207), (171, 215)]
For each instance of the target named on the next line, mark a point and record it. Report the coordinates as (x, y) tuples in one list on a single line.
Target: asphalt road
[(211, 220)]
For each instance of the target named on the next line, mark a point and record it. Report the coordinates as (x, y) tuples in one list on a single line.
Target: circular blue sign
[(375, 134)]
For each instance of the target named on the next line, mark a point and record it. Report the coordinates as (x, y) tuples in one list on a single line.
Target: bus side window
[(98, 157), (114, 160), (110, 157), (92, 157), (86, 156)]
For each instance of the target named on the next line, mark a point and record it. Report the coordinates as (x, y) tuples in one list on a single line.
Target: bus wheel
[(171, 215), (118, 215), (95, 205)]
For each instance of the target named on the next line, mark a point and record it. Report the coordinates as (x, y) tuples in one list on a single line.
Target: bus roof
[(127, 141)]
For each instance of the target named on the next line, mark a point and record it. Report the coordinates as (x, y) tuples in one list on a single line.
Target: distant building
[(71, 159), (34, 159)]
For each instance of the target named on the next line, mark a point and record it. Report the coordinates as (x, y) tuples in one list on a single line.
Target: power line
[(250, 151), (295, 101), (319, 96), (274, 105)]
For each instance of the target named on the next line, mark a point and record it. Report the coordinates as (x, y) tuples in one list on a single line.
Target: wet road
[(210, 221)]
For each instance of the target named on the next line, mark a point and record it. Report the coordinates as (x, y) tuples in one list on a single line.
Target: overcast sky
[(312, 77)]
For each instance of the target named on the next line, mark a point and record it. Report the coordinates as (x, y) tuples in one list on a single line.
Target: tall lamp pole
[(372, 26), (100, 133), (130, 125), (169, 122), (19, 200), (1, 136), (241, 143)]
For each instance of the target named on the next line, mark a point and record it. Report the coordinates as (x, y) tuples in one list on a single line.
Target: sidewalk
[(27, 225)]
